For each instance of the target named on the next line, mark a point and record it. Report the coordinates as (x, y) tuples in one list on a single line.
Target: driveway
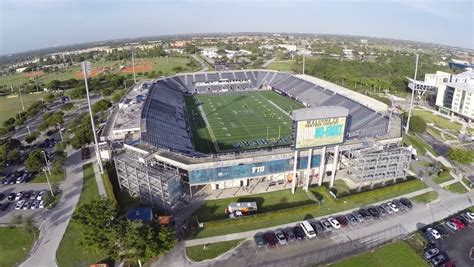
[(53, 223)]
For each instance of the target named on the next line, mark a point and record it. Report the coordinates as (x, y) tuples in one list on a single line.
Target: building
[(454, 94), (356, 138)]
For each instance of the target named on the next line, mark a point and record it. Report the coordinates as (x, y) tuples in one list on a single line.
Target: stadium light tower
[(412, 96), (133, 64), (86, 68)]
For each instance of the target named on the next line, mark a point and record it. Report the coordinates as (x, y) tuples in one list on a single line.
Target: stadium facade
[(338, 130)]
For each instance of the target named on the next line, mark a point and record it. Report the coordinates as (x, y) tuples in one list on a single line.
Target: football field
[(240, 120)]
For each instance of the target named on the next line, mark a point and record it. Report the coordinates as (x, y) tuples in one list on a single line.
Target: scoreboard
[(320, 132)]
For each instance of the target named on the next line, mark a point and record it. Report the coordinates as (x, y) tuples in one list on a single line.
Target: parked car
[(441, 230), (327, 226), (434, 233), (393, 206), (280, 237), (342, 220), (358, 216), (27, 205), (19, 195), (374, 213), (299, 233), (365, 213), (19, 205), (466, 217), (41, 204), (41, 195), (290, 236), (35, 204), (34, 195), (463, 220), (383, 210), (26, 195), (270, 239), (399, 204), (470, 215), (11, 196), (430, 253), (259, 240), (451, 225), (351, 218), (458, 223), (406, 202), (439, 260), (2, 196), (334, 223)]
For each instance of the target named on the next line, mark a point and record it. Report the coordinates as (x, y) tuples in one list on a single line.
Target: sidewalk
[(98, 178)]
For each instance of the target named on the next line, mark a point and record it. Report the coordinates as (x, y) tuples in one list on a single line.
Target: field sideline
[(243, 120)]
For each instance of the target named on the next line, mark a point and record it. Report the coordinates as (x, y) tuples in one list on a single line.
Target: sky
[(34, 24)]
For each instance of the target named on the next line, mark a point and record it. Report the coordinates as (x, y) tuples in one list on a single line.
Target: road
[(54, 222), (246, 255), (204, 66)]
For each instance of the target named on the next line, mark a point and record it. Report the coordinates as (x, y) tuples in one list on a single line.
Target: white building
[(455, 94)]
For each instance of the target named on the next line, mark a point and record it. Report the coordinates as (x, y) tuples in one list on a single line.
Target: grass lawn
[(442, 177), (426, 197), (435, 133), (221, 122), (282, 65), (70, 251), (9, 107), (437, 120), (53, 178), (328, 206), (214, 209), (421, 146), (391, 255), (210, 251), (15, 243), (456, 188)]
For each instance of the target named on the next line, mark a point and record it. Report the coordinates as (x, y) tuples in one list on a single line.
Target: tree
[(101, 106), (139, 241), (417, 124), (32, 137), (461, 155), (35, 161), (13, 155)]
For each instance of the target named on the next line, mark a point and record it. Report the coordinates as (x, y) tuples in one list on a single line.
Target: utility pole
[(303, 60), (46, 161), (47, 179), (133, 65), (21, 98), (60, 133), (85, 70), (412, 96)]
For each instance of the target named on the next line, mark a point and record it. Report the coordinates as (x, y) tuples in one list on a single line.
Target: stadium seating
[(164, 120)]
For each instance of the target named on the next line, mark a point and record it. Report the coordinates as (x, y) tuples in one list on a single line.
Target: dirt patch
[(34, 74), (94, 72), (138, 68)]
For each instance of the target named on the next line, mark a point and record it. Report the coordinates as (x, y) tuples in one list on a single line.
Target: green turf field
[(240, 120), (10, 106)]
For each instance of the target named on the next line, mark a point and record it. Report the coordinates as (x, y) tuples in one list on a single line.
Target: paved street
[(54, 223)]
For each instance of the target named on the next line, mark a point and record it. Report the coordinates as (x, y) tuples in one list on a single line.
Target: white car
[(20, 204), (334, 223), (41, 204), (434, 233), (429, 254), (451, 226), (393, 207), (41, 195), (280, 237), (470, 215)]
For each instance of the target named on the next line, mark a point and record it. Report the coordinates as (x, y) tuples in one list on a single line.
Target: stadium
[(217, 132)]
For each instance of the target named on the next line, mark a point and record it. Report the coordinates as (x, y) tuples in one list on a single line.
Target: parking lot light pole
[(85, 71), (46, 160), (49, 184), (60, 133)]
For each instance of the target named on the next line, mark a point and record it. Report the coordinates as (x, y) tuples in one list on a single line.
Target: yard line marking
[(208, 127)]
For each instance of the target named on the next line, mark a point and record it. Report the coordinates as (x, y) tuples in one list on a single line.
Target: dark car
[(299, 233), (318, 227), (11, 197), (270, 239), (26, 195), (463, 220), (2, 196), (19, 173), (374, 213), (342, 221), (351, 218), (4, 206), (399, 204), (290, 236), (441, 230), (406, 203), (327, 226), (85, 153), (259, 240), (365, 213)]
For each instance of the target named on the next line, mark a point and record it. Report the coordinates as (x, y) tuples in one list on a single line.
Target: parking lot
[(7, 215), (455, 245), (269, 242)]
